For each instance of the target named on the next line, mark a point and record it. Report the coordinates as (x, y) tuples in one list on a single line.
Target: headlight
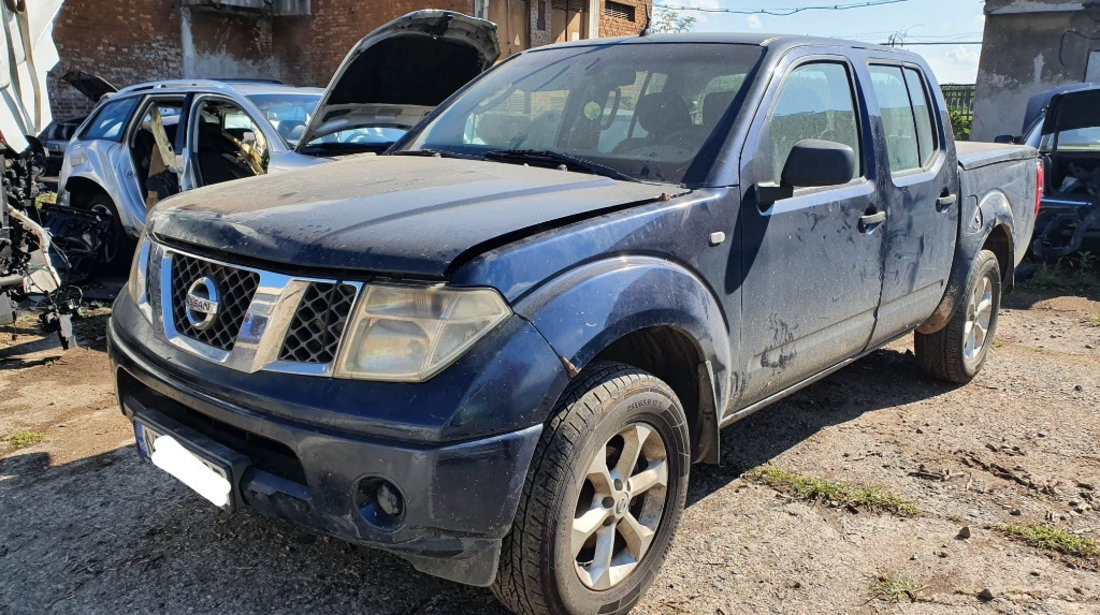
[(409, 334), (138, 271)]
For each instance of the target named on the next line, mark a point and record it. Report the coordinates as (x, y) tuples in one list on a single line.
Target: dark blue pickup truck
[(497, 350)]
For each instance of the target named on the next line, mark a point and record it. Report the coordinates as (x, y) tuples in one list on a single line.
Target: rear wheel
[(602, 499), (116, 244), (957, 352)]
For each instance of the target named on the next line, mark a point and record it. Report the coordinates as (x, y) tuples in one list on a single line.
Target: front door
[(922, 204), (811, 263)]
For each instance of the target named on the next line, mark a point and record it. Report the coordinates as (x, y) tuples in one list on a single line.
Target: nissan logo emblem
[(202, 303)]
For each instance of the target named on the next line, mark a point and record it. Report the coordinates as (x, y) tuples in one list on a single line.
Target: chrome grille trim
[(265, 324)]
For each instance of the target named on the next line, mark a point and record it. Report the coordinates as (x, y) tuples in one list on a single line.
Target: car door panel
[(812, 272)]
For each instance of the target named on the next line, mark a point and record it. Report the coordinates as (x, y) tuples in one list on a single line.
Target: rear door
[(812, 270), (921, 182)]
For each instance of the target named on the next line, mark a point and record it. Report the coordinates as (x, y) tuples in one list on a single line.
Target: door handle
[(946, 201), (868, 221)]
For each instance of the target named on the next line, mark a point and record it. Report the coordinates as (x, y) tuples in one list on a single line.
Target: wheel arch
[(647, 313), (81, 190)]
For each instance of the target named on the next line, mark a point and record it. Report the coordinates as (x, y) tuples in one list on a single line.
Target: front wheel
[(602, 499), (957, 352)]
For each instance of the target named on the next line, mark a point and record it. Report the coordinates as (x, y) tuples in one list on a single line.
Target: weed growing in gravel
[(1053, 539), (1075, 275), (813, 488), (998, 343), (894, 588), (24, 439), (1092, 321)]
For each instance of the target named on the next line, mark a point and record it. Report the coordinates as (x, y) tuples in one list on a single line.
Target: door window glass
[(922, 112), (228, 144), (902, 146), (111, 119), (815, 102)]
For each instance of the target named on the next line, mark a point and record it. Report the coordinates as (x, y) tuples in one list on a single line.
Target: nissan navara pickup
[(498, 349)]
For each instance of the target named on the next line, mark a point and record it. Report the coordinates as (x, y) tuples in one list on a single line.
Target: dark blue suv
[(498, 349)]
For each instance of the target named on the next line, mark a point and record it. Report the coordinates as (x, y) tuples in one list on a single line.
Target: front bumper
[(459, 497)]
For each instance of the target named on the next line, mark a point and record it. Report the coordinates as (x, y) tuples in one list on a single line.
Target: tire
[(117, 246), (608, 409), (957, 352)]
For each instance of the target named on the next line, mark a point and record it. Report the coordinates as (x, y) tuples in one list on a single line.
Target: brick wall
[(124, 44), (140, 40), (615, 26), (322, 41)]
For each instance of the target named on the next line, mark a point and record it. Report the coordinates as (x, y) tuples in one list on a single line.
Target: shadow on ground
[(107, 533)]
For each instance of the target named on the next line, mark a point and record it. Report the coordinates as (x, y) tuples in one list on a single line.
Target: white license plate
[(208, 479)]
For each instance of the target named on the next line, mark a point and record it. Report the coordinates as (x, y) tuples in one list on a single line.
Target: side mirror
[(811, 163), (1007, 139)]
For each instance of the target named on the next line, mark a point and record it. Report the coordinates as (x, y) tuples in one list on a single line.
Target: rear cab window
[(109, 123), (906, 111)]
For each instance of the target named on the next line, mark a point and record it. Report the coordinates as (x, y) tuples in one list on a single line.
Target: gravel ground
[(88, 528)]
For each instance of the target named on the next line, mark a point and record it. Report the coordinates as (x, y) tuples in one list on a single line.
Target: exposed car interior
[(152, 152), (227, 145)]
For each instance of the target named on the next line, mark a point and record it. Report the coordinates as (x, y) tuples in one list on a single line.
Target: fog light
[(389, 500), (380, 502)]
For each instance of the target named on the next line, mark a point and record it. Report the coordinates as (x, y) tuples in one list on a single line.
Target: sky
[(915, 20)]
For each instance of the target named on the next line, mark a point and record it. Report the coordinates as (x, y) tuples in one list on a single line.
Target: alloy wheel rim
[(980, 313), (620, 506)]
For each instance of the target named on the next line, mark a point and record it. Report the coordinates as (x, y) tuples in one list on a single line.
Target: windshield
[(288, 113), (641, 111)]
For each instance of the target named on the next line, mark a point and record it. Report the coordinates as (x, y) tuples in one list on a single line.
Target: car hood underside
[(397, 215)]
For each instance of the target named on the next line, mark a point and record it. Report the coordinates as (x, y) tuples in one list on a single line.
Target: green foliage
[(894, 588), (814, 489), (960, 124), (1051, 538), (1077, 274), (23, 439), (668, 20)]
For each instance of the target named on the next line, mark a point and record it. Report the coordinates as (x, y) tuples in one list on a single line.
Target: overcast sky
[(917, 20)]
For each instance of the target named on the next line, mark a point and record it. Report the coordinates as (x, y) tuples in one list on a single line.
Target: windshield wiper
[(436, 153), (552, 157)]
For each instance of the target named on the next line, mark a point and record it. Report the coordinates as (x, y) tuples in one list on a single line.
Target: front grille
[(318, 324), (235, 290)]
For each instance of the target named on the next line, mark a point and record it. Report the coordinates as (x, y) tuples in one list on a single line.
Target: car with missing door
[(497, 350), (152, 140)]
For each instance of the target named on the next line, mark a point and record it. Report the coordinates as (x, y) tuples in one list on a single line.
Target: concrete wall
[(1029, 46)]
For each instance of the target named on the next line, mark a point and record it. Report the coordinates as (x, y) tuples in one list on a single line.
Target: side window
[(111, 119), (816, 102), (922, 111), (906, 116)]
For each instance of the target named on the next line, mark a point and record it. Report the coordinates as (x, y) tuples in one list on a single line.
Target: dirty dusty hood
[(1070, 110), (92, 86), (398, 73), (388, 214)]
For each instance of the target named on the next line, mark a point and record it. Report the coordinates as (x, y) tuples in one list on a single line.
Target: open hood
[(398, 73), (1072, 108), (92, 86)]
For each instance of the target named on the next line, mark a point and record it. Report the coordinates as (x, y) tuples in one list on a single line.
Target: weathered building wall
[(148, 40), (1029, 46), (123, 44), (613, 24)]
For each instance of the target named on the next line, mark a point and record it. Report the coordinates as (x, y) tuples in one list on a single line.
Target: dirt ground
[(85, 527)]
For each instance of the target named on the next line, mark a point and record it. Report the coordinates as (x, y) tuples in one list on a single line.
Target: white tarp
[(29, 54)]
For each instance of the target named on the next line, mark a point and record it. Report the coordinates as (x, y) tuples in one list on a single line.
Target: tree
[(668, 20)]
